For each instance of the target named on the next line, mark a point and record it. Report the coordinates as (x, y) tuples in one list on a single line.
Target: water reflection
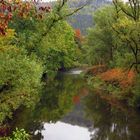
[(57, 100), (109, 122), (63, 131), (76, 113)]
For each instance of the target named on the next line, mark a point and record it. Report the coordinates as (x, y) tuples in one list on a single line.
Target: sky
[(47, 0), (55, 0)]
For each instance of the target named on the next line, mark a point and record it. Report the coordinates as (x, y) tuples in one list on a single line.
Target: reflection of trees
[(55, 102), (26, 119), (57, 97), (110, 123)]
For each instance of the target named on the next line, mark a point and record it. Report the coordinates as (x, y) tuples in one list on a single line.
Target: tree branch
[(54, 21)]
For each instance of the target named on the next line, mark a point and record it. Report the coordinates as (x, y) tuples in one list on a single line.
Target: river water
[(69, 110)]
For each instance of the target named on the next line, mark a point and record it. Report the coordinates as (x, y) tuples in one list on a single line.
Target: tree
[(127, 28), (101, 37), (20, 77), (58, 49)]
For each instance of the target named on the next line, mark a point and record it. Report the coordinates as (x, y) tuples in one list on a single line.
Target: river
[(69, 110)]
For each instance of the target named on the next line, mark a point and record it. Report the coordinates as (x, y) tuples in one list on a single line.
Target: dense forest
[(37, 41)]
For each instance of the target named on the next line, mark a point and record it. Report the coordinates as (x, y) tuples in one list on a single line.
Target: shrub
[(18, 134), (119, 84), (117, 76), (20, 77)]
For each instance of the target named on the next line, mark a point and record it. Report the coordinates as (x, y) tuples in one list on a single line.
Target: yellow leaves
[(10, 32), (10, 35), (122, 23), (16, 1), (125, 28), (9, 48), (24, 15)]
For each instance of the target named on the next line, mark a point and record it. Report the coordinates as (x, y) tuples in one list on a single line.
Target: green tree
[(127, 28), (59, 49), (100, 36), (53, 44), (20, 78)]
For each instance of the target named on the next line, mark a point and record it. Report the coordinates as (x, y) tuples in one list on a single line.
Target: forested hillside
[(83, 19)]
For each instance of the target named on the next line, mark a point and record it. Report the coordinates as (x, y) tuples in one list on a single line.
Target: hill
[(83, 19)]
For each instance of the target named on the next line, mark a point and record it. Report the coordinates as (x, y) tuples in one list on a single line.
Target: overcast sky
[(47, 0), (55, 0)]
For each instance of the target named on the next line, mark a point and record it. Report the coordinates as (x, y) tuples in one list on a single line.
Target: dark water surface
[(68, 110)]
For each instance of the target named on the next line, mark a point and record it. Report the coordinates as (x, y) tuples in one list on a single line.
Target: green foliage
[(128, 33), (114, 41), (56, 101), (58, 48), (55, 47), (41, 43), (28, 32), (20, 77), (122, 59), (100, 36), (38, 46), (61, 93), (97, 84), (18, 134), (127, 28)]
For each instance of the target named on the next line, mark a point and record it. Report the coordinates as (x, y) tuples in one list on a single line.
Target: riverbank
[(68, 105), (115, 84)]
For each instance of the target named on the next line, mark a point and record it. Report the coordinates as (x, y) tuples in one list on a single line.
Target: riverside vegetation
[(37, 41), (114, 48)]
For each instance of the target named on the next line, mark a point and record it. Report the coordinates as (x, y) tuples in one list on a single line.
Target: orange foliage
[(123, 78), (22, 9), (76, 99), (78, 33)]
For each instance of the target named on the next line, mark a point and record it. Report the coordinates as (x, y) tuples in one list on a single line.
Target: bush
[(18, 134), (119, 84), (20, 77), (119, 77)]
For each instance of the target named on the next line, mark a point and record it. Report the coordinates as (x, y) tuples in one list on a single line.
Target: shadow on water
[(68, 110)]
